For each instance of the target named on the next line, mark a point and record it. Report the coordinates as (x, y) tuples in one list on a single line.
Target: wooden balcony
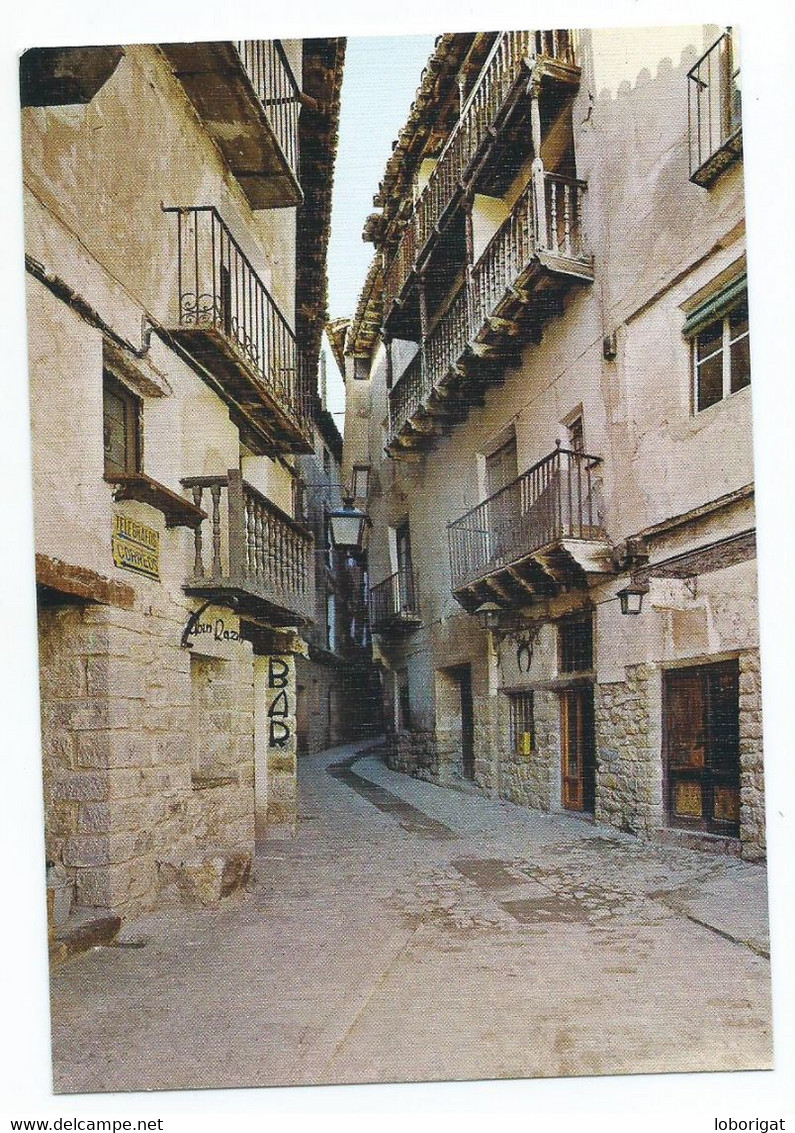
[(540, 533), (249, 553), (393, 604), (230, 325), (513, 289), (248, 99), (501, 83), (715, 111)]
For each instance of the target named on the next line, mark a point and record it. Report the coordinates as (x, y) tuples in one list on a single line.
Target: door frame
[(706, 824), (580, 696)]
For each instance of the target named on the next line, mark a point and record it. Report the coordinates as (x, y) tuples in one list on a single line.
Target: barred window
[(522, 723)]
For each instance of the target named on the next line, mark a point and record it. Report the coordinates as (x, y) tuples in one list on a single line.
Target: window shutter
[(716, 306)]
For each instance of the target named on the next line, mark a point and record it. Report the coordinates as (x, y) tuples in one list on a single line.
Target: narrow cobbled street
[(413, 932)]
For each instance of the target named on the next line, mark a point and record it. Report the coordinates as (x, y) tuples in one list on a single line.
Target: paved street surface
[(413, 932)]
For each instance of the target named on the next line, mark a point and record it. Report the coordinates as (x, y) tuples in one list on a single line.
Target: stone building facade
[(548, 382), (177, 204)]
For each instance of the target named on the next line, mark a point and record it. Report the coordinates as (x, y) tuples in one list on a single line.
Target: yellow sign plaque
[(136, 547)]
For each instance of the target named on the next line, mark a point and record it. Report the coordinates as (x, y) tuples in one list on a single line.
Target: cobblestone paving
[(412, 932)]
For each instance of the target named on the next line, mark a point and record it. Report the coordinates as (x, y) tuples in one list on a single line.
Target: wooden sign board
[(135, 547)]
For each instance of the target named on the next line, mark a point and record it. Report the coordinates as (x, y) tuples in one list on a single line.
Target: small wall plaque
[(136, 547)]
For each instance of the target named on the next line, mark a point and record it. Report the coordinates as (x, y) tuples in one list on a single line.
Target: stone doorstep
[(85, 928), (699, 840)]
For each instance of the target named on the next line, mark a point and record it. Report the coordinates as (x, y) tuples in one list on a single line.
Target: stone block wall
[(128, 787), (414, 753), (485, 743), (752, 798), (531, 780), (628, 721)]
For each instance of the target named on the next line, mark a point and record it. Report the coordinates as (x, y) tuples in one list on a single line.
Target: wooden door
[(405, 588), (501, 470), (578, 779), (701, 743), (467, 722)]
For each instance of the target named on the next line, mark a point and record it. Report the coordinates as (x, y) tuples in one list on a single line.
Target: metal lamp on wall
[(631, 598), (347, 526), (488, 614)]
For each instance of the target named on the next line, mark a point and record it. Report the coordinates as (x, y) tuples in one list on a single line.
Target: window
[(501, 467), (331, 621), (299, 499), (360, 481), (405, 571), (721, 357), (522, 727), (576, 434), (575, 637), (403, 701), (121, 413)]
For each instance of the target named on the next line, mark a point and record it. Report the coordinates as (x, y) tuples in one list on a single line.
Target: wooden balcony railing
[(448, 339), (250, 549), (407, 395), (508, 255), (268, 68), (555, 499), (393, 603), (715, 110), (224, 306), (500, 74)]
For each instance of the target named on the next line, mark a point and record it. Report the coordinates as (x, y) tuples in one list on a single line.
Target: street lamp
[(347, 525), (631, 598), (488, 614)]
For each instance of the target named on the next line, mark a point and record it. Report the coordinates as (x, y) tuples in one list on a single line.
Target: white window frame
[(725, 349)]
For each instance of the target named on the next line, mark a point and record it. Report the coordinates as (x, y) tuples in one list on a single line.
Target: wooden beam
[(521, 582), (59, 577)]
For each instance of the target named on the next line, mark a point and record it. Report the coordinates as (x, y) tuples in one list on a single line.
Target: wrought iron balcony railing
[(250, 549), (715, 110), (555, 499), (393, 603), (499, 76), (275, 85), (247, 96), (231, 323), (520, 242)]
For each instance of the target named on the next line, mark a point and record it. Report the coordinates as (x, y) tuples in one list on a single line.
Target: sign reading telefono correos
[(135, 546)]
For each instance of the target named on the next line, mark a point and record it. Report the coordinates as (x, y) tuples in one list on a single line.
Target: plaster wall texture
[(140, 120)]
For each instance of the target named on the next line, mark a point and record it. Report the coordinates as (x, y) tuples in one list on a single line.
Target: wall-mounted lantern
[(488, 614), (347, 525), (631, 598)]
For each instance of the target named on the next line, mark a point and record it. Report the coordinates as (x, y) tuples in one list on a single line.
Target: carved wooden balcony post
[(537, 168), (237, 525)]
